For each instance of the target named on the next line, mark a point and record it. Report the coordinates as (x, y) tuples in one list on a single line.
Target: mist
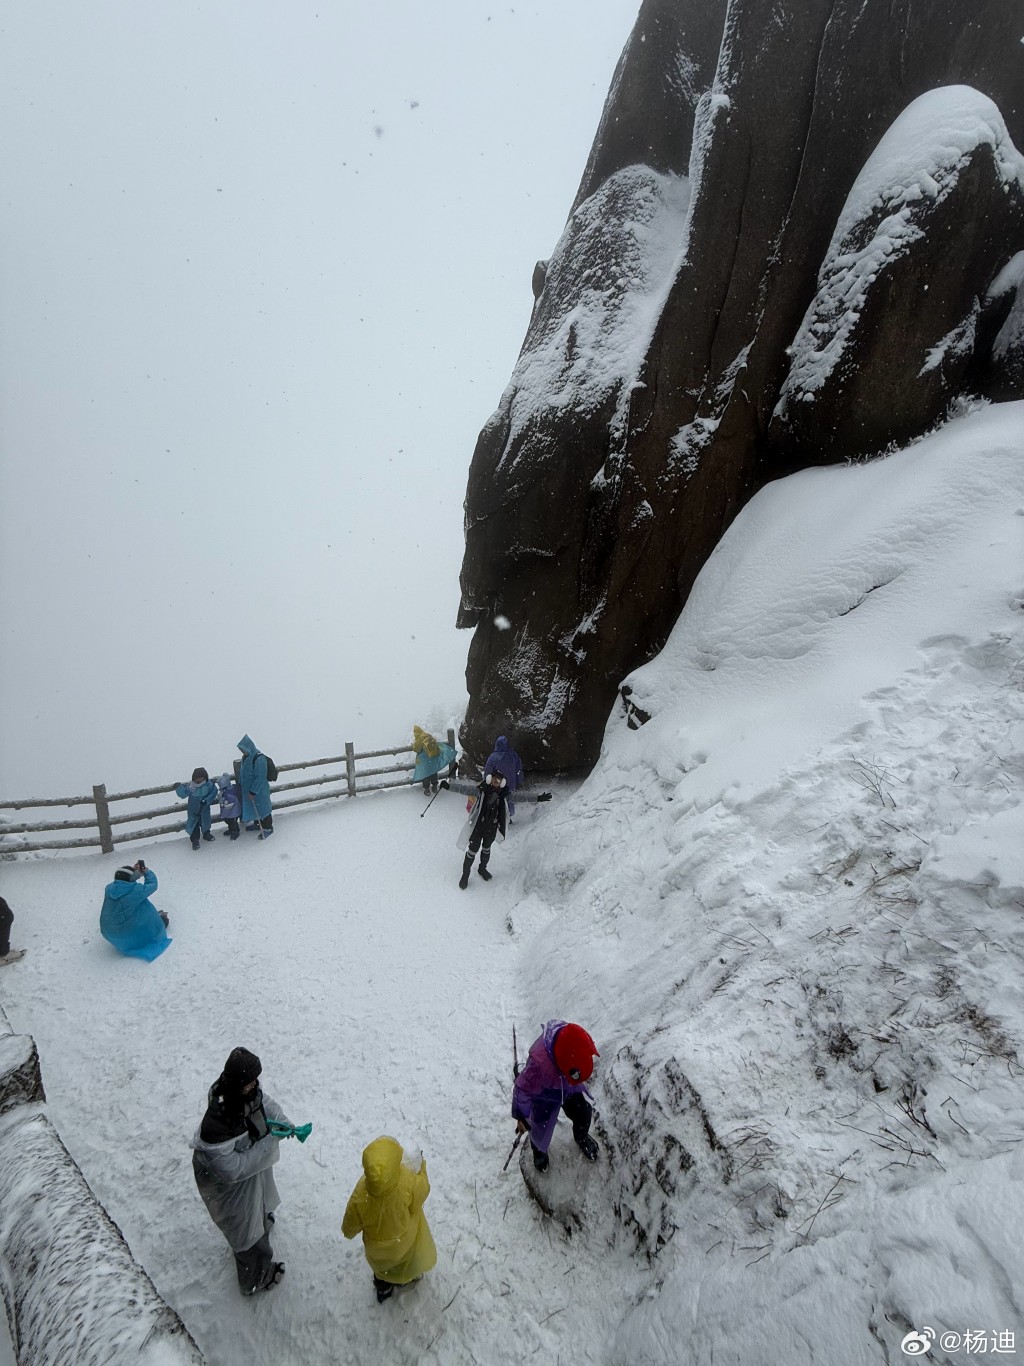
[(264, 274)]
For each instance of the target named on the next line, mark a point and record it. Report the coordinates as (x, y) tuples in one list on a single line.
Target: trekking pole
[(515, 1073), (515, 1145), (432, 800)]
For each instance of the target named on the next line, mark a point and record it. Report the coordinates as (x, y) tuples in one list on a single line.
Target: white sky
[(264, 273)]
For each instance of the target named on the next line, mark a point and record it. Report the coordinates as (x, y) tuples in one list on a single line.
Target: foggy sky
[(264, 273)]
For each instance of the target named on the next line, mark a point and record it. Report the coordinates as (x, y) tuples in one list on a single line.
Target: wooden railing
[(349, 781)]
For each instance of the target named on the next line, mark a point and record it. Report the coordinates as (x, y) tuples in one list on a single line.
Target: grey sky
[(264, 272)]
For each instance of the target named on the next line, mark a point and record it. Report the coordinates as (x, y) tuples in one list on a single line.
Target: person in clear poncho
[(386, 1207), (232, 1160)]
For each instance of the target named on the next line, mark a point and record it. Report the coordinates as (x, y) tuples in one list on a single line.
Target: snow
[(630, 227), (1011, 334), (788, 908), (959, 341), (919, 157)]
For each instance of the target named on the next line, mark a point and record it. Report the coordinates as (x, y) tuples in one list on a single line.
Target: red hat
[(574, 1052)]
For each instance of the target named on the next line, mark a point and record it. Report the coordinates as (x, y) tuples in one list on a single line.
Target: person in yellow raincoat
[(431, 756), (386, 1207)]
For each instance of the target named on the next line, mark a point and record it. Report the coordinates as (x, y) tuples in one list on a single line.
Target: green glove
[(281, 1130)]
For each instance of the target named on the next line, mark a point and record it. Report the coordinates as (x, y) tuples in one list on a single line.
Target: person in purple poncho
[(506, 761), (561, 1061)]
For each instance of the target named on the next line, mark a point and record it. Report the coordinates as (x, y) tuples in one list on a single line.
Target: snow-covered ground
[(790, 909)]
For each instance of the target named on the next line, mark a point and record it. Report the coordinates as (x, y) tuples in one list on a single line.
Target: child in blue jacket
[(201, 793), (230, 804)]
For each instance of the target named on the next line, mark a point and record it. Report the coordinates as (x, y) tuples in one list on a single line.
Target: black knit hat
[(241, 1068)]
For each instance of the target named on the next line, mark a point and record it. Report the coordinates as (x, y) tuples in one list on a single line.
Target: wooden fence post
[(99, 796), (451, 737), (350, 767)]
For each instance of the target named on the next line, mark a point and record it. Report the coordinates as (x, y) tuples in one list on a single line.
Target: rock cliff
[(798, 238)]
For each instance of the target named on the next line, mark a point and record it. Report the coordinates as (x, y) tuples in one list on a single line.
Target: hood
[(382, 1161), (418, 733), (501, 745), (225, 780), (116, 890), (550, 1030), (246, 746)]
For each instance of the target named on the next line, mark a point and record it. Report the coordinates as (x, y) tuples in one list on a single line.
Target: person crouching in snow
[(560, 1062), (201, 793), (386, 1207), (128, 919), (233, 1154), (230, 804), (431, 756)]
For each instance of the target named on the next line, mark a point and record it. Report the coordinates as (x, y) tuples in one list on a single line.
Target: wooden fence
[(107, 825)]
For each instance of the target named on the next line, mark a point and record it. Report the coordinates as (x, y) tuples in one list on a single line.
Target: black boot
[(485, 856), (587, 1146), (540, 1160), (467, 864), (384, 1289)]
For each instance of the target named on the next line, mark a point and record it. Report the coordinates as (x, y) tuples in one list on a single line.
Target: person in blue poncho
[(200, 793), (257, 811), (129, 920)]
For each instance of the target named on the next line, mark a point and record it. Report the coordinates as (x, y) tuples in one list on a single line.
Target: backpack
[(271, 769)]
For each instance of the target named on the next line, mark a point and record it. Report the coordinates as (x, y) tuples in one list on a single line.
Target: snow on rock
[(73, 1291), (797, 890), (20, 1082), (918, 159), (570, 1190), (1008, 347), (615, 258)]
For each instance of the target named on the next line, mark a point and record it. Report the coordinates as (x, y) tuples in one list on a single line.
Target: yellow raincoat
[(386, 1207), (423, 740)]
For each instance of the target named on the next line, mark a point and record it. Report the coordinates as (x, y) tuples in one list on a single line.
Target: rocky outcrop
[(892, 331), (654, 392)]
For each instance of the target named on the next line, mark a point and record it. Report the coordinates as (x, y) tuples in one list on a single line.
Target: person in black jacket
[(487, 821), (233, 1155), (7, 954)]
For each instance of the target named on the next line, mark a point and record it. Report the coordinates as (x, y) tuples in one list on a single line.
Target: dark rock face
[(668, 368), (893, 329)]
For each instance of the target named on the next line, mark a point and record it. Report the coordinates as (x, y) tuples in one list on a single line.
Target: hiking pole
[(515, 1073), (515, 1145), (434, 798)]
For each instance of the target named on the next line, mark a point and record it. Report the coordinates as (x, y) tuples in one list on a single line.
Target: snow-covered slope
[(790, 908), (800, 887)]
